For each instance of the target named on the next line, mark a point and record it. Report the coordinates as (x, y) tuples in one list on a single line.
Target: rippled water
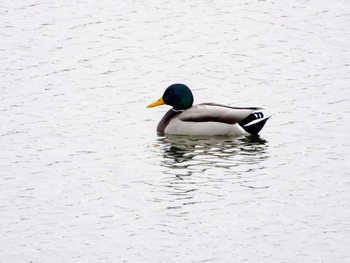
[(85, 178)]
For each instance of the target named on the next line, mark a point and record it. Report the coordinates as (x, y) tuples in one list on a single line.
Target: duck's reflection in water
[(196, 162), (200, 153)]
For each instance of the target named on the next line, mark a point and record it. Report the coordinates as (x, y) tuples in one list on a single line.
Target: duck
[(205, 119)]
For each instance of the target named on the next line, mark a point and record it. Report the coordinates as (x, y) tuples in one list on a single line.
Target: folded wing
[(216, 113), (251, 119)]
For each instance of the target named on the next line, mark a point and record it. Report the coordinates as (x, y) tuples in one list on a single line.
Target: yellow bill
[(156, 103)]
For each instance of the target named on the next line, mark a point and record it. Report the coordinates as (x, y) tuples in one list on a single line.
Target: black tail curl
[(254, 122)]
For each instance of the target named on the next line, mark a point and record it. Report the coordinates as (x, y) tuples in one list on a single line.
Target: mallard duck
[(205, 119)]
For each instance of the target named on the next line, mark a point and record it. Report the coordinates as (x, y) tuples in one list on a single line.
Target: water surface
[(85, 178)]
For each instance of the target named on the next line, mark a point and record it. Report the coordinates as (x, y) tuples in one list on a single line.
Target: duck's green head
[(177, 95)]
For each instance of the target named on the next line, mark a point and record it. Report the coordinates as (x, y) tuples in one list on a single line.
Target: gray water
[(85, 178)]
